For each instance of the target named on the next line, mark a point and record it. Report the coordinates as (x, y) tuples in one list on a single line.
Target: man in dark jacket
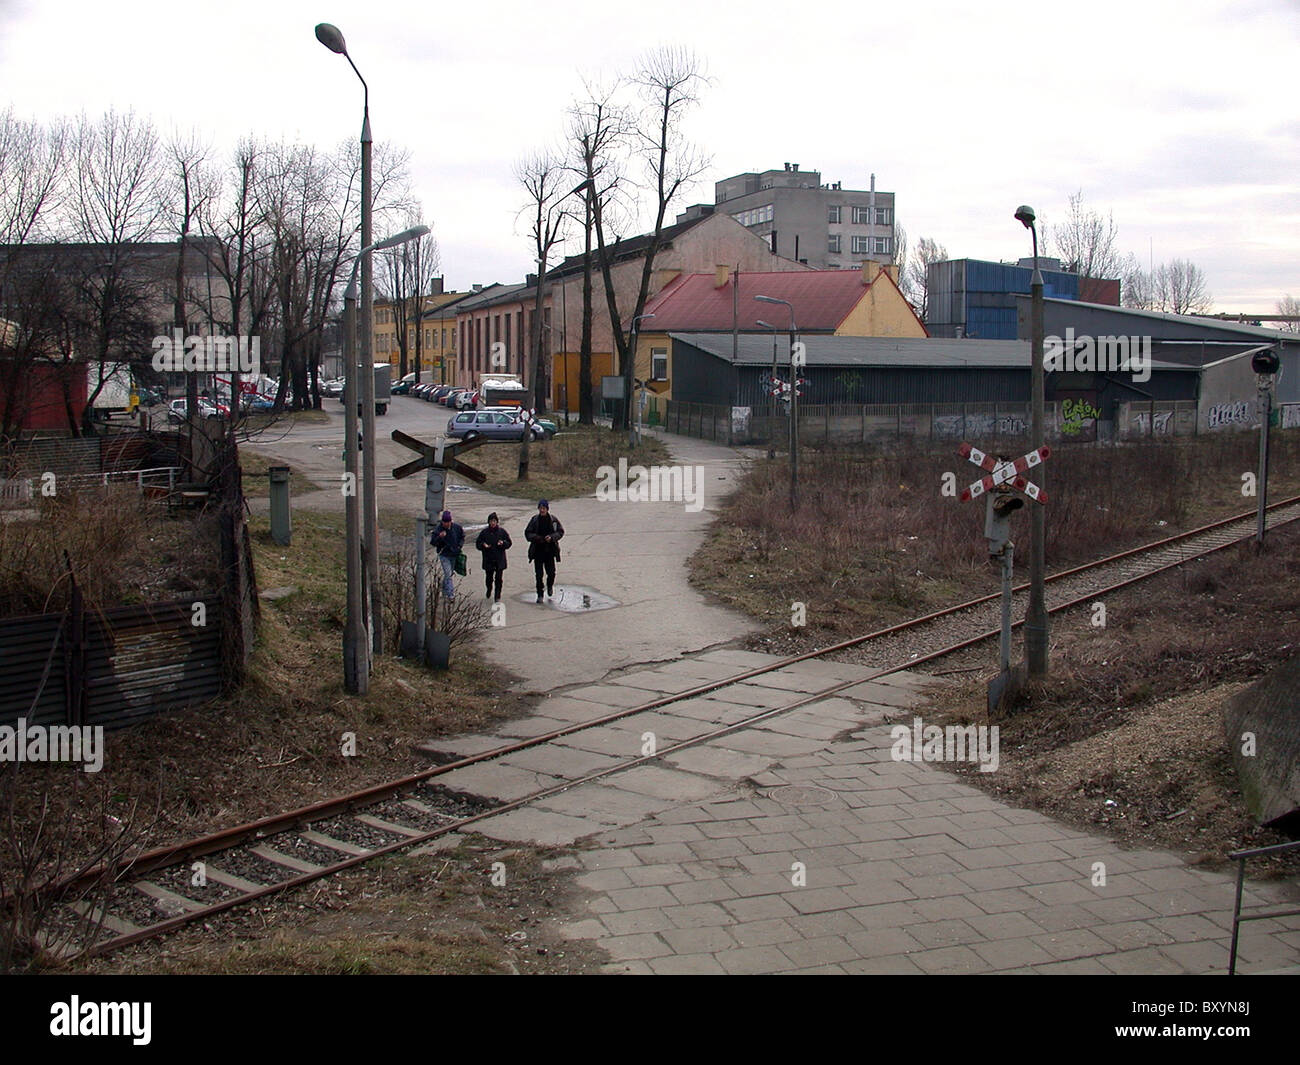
[(448, 538), (543, 536), (493, 542)]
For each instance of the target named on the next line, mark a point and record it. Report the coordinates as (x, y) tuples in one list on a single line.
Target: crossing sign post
[(435, 460), (1003, 478)]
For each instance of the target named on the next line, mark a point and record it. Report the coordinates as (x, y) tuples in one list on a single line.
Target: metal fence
[(846, 425), (109, 667)]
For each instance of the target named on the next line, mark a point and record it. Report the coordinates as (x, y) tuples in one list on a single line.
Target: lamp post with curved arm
[(1036, 615)]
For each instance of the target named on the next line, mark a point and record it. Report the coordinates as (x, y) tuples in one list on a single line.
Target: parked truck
[(501, 390), (383, 387)]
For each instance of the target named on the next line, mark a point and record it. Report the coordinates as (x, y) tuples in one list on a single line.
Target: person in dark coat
[(543, 536), (493, 542), (448, 538)]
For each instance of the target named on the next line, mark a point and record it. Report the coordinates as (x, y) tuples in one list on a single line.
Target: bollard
[(281, 528)]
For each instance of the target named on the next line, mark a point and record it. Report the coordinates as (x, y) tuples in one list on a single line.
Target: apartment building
[(824, 226)]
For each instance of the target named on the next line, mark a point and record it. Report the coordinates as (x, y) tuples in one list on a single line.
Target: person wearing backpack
[(448, 538), (543, 536)]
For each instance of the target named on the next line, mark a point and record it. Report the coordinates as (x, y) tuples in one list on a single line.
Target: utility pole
[(1036, 635)]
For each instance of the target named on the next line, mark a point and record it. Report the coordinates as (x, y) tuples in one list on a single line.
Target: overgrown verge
[(875, 540), (1127, 733), (566, 465)]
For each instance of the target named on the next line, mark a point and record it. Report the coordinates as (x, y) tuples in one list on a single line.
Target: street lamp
[(1036, 616), (356, 661), (332, 38), (771, 433), (634, 429), (794, 401)]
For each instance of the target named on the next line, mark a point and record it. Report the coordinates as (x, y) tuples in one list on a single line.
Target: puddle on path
[(572, 599)]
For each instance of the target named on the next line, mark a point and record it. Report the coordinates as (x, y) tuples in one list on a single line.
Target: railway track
[(163, 889)]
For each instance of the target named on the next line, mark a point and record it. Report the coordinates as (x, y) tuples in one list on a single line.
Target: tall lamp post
[(771, 433), (356, 660), (332, 38), (794, 402), (634, 427), (1036, 616)]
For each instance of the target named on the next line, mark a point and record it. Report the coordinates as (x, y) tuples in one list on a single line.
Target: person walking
[(493, 542), (448, 538), (543, 536)]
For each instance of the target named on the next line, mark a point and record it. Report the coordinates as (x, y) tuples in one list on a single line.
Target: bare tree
[(1086, 243), (33, 184), (190, 189), (916, 274), (121, 199), (1288, 304), (406, 275), (545, 180), (669, 80), (1137, 285), (1180, 288), (598, 130)]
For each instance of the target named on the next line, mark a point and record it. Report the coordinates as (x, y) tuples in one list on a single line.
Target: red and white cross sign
[(1002, 472)]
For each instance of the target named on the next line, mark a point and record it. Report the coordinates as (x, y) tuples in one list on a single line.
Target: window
[(833, 244), (833, 215), (880, 245), (861, 246), (861, 216), (884, 216), (659, 364)]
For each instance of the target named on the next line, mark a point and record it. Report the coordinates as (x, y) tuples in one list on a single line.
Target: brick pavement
[(800, 845)]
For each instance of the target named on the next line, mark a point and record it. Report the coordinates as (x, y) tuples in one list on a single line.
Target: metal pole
[(356, 669), (794, 420), (1261, 488), (368, 396), (632, 426), (771, 430), (1036, 616), (1004, 644), (421, 584)]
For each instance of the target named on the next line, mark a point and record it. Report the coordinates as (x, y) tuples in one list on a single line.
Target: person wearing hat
[(543, 536), (493, 542), (448, 538)]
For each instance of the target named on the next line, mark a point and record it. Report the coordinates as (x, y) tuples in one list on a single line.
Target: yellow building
[(852, 303), (437, 334)]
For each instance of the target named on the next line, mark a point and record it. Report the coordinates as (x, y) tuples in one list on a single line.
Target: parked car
[(333, 388), (495, 425), (548, 427), (437, 392), (467, 400), (176, 410), (404, 386)]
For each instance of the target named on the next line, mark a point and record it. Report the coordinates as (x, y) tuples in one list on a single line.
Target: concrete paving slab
[(713, 761), (662, 783), (566, 763), (495, 781), (545, 827)]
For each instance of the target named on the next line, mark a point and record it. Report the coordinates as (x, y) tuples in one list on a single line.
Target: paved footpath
[(800, 845)]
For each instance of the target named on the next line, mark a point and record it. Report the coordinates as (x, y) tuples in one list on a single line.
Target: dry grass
[(276, 743), (417, 914), (564, 466), (1128, 733), (874, 540), (153, 556)]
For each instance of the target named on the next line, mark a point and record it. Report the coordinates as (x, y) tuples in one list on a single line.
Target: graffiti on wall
[(1164, 422), (1222, 415), (1290, 418), (960, 427), (1077, 416)]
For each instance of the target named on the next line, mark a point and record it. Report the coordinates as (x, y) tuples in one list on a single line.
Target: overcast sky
[(1178, 117)]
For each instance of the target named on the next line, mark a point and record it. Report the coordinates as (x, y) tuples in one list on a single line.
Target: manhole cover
[(802, 795)]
